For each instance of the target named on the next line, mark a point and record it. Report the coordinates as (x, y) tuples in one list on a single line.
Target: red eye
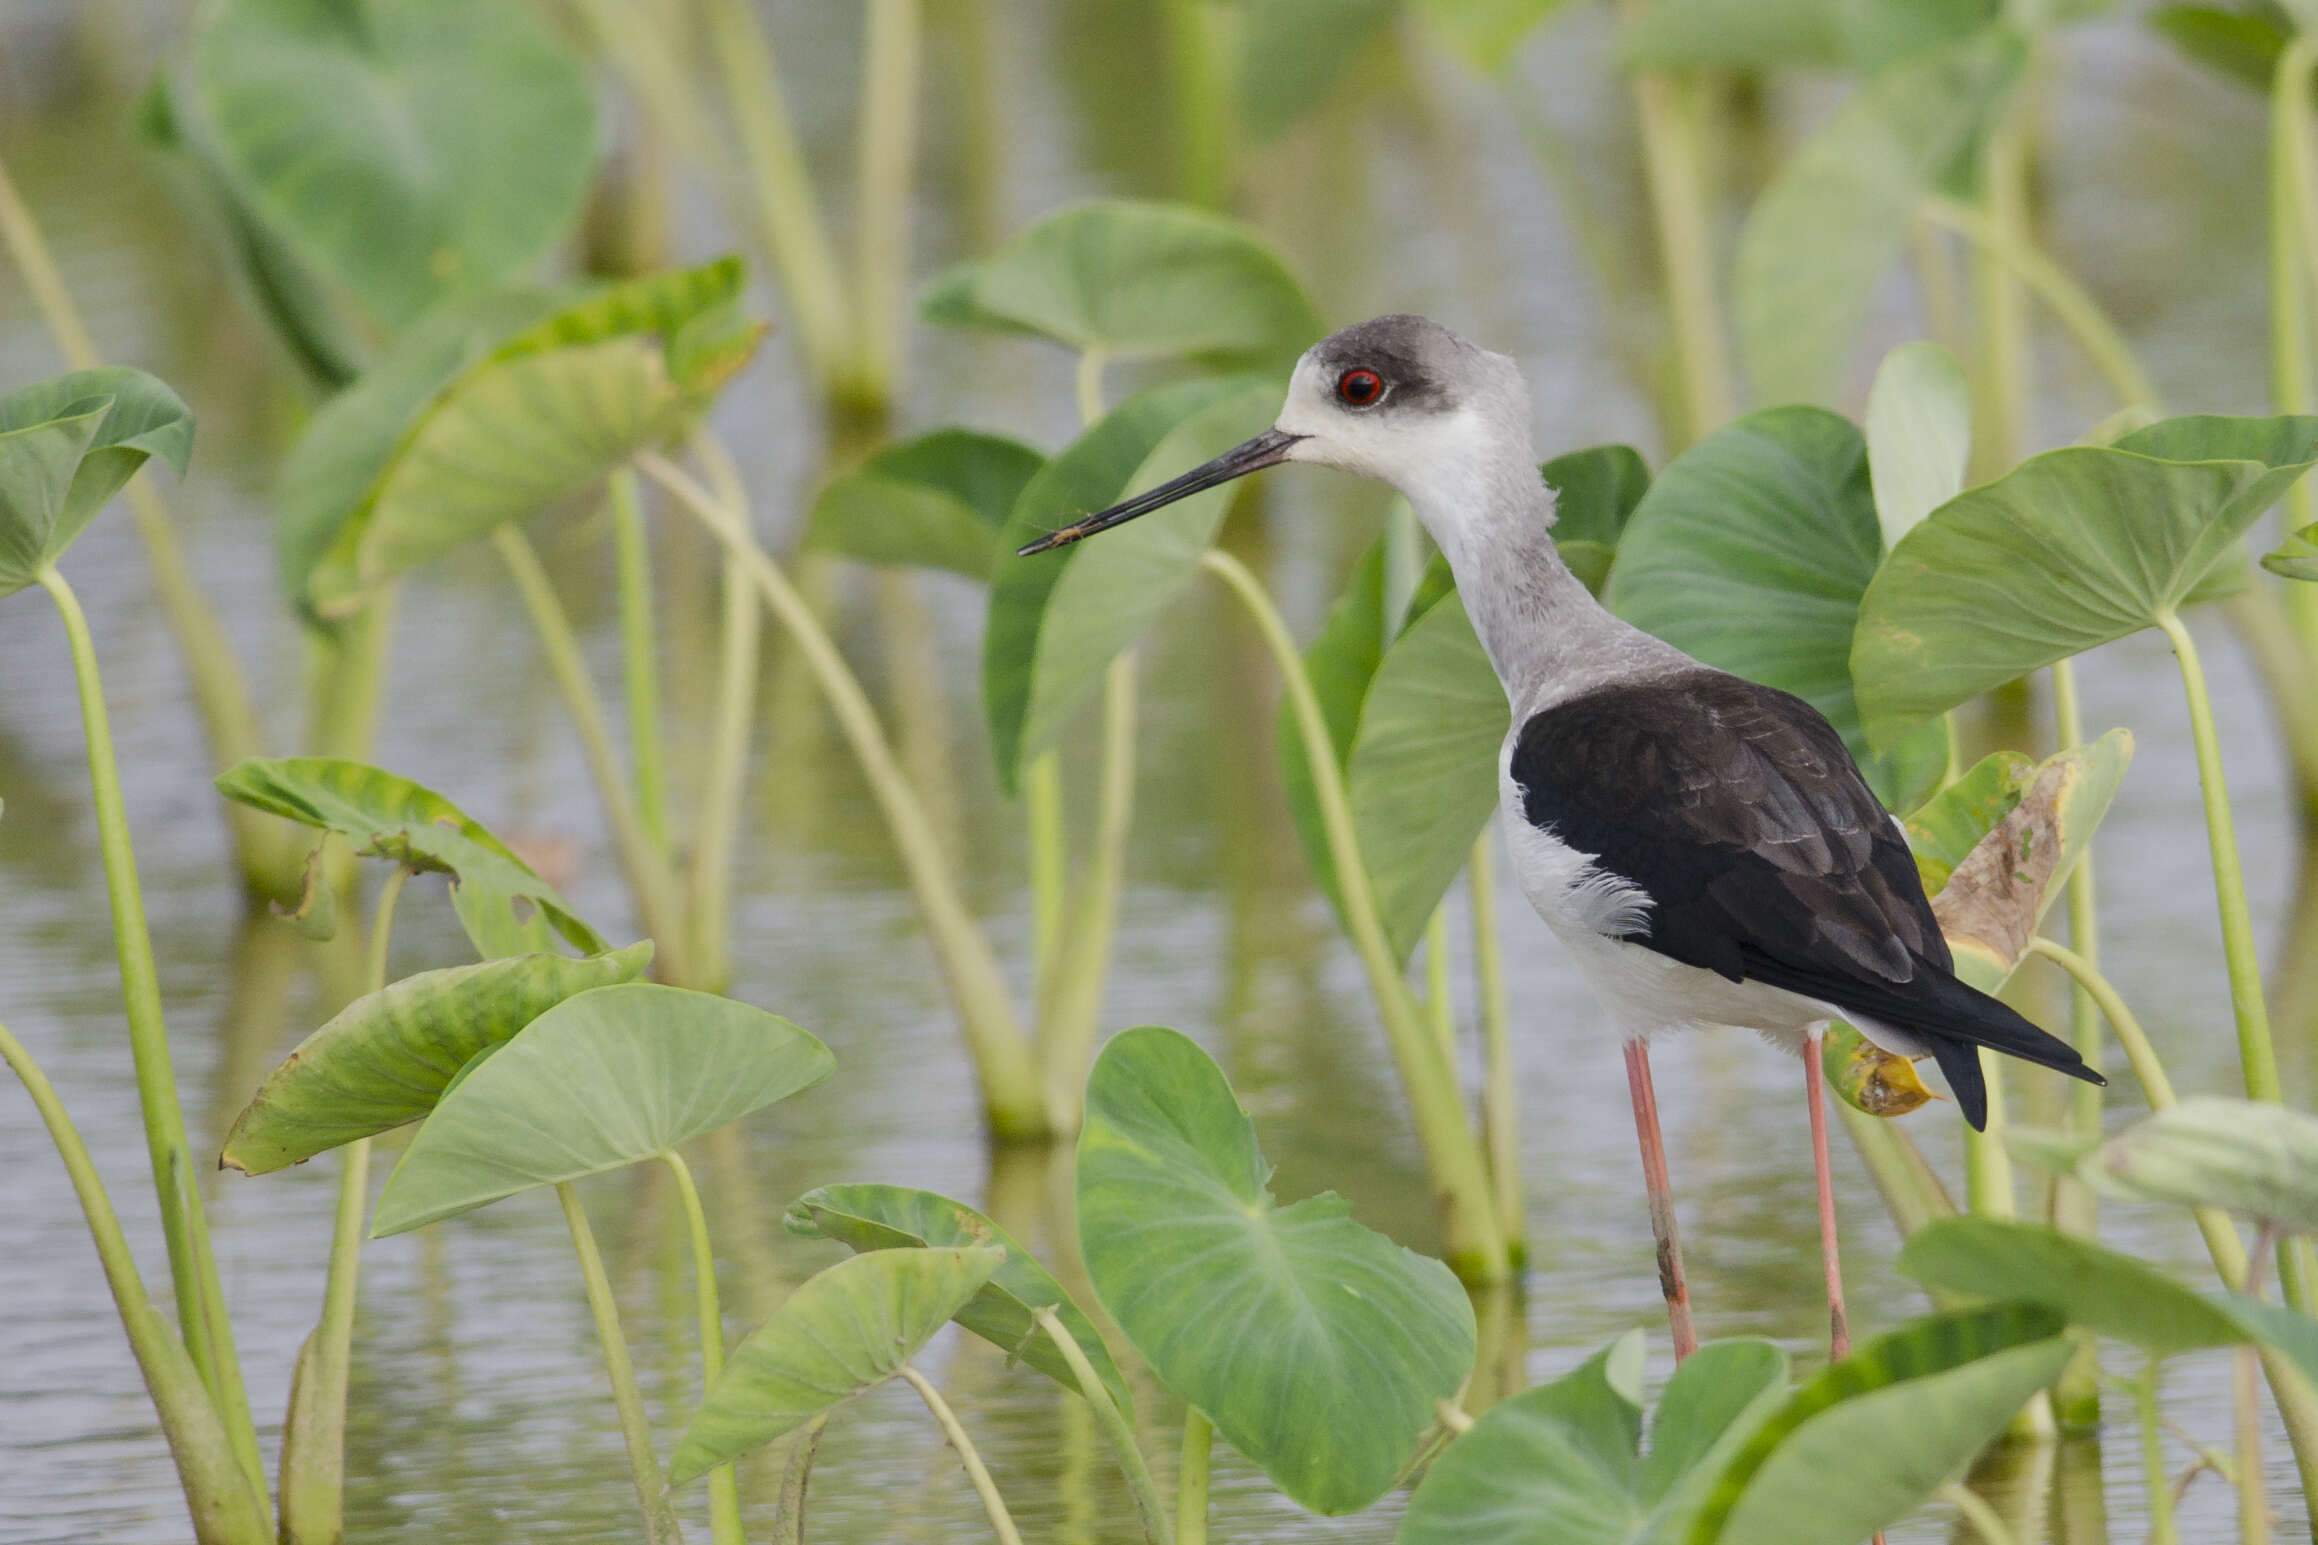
[(1359, 388)]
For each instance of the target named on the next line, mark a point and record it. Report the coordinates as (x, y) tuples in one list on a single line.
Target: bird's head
[(1400, 399)]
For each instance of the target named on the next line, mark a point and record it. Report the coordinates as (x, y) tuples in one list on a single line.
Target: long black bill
[(1268, 449)]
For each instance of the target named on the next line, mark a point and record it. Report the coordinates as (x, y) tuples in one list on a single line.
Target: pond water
[(479, 1410)]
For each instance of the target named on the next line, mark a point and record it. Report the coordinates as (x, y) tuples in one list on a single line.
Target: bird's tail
[(1955, 1020)]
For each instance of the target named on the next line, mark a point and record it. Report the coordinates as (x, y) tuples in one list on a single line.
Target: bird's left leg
[(1815, 1088)]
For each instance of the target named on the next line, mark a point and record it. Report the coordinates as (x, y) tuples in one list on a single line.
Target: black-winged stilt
[(1704, 847)]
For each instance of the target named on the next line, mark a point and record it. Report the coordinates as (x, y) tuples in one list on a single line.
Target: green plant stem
[(2075, 310), (227, 1509), (201, 1313), (1049, 839), (2293, 263), (1013, 1093), (888, 143), (2161, 1525), (1911, 1189), (660, 1524), (2077, 1395), (1986, 1522), (2255, 1053), (1667, 110), (1477, 1248), (715, 836), (2253, 1494), (1440, 997), (651, 881), (976, 1471), (1117, 1430), (348, 680), (267, 852), (1071, 1015), (640, 654), (1201, 44), (1191, 1479), (788, 215), (724, 1520), (1500, 1089), (1089, 383)]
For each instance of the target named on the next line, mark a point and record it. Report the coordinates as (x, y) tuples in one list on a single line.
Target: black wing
[(1738, 811)]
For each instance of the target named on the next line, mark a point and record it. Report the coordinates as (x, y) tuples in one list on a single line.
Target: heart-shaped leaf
[(2107, 1293), (1751, 551), (1919, 435), (1990, 904), (388, 155), (2247, 1156), (1595, 492), (936, 502), (386, 1058), (545, 414), (596, 1083), (1058, 620), (1136, 280), (1557, 1465), (1317, 1347), (1818, 241), (2243, 44), (389, 817), (1004, 1312), (1895, 1420), (2072, 548), (67, 445), (844, 1331)]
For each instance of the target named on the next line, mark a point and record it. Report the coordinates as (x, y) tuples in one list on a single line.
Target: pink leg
[(1670, 1278), (1815, 1087)]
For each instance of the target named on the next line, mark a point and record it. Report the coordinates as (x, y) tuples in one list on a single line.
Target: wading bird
[(1704, 847)]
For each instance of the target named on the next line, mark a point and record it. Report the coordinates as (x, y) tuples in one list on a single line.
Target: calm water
[(478, 1411)]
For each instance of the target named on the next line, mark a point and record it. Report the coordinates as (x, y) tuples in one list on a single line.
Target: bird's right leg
[(1670, 1278)]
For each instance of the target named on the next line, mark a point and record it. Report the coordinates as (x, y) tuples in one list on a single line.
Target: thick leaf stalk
[(201, 1313), (660, 1525)]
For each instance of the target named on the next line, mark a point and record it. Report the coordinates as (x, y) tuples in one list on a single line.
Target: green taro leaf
[(386, 1058), (1416, 725), (2071, 549), (598, 1082), (2247, 1156), (1751, 551), (373, 158), (1991, 900), (843, 1332), (1317, 1347), (936, 502), (1919, 435), (1058, 619), (1422, 778), (1595, 492), (544, 415), (2296, 557), (868, 1217), (67, 445), (2243, 44), (1818, 242), (388, 817), (355, 436), (1557, 1465), (2105, 1292), (2287, 1330), (1133, 280), (1895, 1421), (1948, 826)]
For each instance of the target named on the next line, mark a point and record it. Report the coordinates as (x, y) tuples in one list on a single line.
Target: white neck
[(1548, 638)]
